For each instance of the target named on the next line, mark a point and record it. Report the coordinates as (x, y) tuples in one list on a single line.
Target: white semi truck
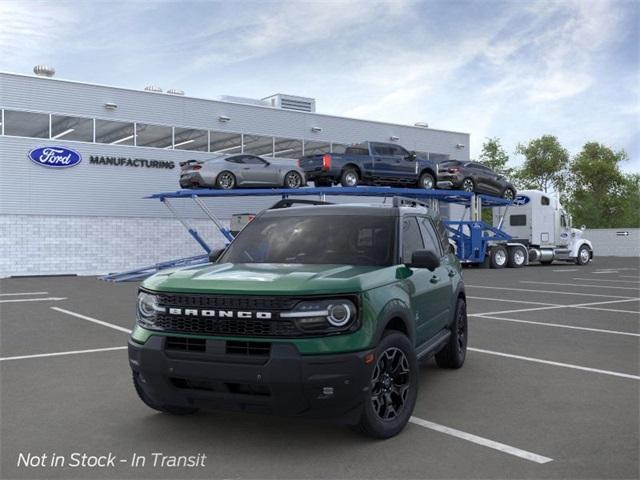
[(540, 231)]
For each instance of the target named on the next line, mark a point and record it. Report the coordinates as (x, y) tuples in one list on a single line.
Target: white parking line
[(47, 299), (485, 442), (551, 306), (567, 270), (582, 285), (58, 354), (558, 325), (23, 293), (555, 364), (514, 301), (628, 276), (93, 320), (604, 280), (531, 290)]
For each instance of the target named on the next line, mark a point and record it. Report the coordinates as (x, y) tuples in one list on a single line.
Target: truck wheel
[(517, 257), (498, 256), (455, 351), (509, 194), (584, 255), (427, 181), (226, 180), (349, 178), (389, 401), (468, 185), (172, 410)]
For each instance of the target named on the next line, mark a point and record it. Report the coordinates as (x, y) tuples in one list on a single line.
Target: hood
[(272, 279)]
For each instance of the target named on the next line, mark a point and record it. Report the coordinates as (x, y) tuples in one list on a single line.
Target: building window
[(157, 136), (190, 139), (314, 148), (287, 148), (71, 128), (225, 142), (258, 145), (114, 133), (26, 124)]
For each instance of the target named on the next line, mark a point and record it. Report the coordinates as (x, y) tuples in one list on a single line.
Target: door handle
[(246, 168), (435, 279)]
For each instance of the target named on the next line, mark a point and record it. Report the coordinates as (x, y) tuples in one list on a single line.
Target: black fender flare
[(393, 310)]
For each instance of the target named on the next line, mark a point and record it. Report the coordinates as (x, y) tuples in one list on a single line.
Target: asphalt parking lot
[(550, 390)]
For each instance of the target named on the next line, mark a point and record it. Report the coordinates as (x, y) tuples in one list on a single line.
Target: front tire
[(508, 194), (293, 179), (393, 391), (427, 181), (149, 402), (455, 351), (584, 255), (226, 180), (349, 178)]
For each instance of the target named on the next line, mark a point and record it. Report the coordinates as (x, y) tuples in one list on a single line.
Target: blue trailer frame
[(471, 236)]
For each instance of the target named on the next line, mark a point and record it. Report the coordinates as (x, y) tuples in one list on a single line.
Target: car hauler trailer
[(538, 223), (475, 242)]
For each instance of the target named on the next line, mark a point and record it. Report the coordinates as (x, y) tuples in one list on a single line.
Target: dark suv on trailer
[(474, 177), (319, 311)]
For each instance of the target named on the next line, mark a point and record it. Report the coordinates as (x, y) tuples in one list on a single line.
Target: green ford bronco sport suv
[(316, 310)]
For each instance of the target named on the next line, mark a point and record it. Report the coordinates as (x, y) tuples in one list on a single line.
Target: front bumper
[(282, 382)]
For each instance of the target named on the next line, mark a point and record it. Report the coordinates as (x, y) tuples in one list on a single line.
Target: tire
[(171, 410), (508, 194), (584, 255), (454, 352), (225, 180), (517, 257), (349, 177), (498, 256), (292, 179), (391, 395), (468, 185), (427, 181)]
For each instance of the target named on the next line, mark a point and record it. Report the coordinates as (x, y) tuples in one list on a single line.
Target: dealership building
[(92, 217)]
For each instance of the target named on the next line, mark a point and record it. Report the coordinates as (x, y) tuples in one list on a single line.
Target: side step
[(433, 345)]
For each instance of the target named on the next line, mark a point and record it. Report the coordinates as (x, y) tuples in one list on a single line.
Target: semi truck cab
[(538, 221)]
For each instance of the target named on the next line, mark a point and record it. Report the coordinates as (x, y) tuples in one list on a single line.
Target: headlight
[(324, 316), (147, 310)]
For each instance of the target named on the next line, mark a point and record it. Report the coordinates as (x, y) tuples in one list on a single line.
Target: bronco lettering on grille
[(192, 312)]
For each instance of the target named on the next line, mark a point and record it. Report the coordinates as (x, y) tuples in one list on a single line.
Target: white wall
[(607, 242)]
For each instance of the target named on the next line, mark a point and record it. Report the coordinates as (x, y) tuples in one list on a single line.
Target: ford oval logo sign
[(55, 157), (521, 200)]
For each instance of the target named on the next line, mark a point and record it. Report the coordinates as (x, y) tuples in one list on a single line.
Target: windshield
[(321, 239)]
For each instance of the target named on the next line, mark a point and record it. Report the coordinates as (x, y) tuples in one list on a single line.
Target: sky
[(509, 69)]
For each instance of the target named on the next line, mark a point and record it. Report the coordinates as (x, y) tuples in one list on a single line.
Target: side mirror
[(583, 228), (412, 156), (214, 255), (424, 259)]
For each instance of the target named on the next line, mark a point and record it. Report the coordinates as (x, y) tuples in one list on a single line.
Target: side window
[(443, 234), (251, 160), (544, 201), (399, 151), (235, 160), (411, 238), (563, 220), (431, 241), (517, 220)]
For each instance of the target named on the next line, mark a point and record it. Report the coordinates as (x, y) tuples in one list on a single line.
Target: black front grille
[(227, 327), (248, 348), (227, 302)]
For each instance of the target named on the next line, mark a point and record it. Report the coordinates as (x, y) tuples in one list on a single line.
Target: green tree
[(600, 195), (545, 164), (494, 156)]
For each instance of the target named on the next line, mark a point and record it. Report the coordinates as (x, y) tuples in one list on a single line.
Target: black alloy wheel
[(390, 384), (226, 180), (468, 185), (508, 194)]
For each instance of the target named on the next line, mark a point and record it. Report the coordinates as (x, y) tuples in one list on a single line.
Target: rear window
[(356, 151), (450, 163)]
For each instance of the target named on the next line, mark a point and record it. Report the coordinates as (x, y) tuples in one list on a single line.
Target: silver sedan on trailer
[(241, 170)]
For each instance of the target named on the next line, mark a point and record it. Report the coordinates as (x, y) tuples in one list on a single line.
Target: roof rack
[(290, 202)]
